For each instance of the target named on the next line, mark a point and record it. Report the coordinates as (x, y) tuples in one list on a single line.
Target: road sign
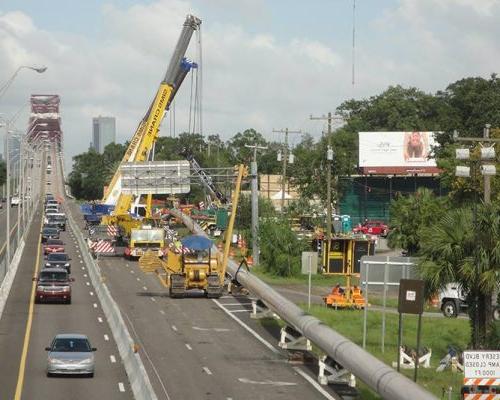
[(156, 177), (483, 364)]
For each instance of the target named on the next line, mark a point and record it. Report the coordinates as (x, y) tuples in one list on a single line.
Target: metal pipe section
[(384, 380), (190, 25)]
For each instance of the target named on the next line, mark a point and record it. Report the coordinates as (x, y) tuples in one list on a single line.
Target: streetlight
[(9, 81)]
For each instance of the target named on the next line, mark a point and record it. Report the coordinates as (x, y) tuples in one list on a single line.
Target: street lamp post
[(9, 81)]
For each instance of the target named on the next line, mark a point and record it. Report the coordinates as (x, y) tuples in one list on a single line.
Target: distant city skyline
[(103, 132)]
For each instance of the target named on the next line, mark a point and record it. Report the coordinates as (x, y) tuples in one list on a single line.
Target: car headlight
[(47, 264), (66, 265), (87, 361), (55, 360)]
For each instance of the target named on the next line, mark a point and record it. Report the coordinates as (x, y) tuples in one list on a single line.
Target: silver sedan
[(70, 354)]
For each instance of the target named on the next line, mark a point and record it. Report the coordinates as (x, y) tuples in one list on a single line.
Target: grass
[(437, 334)]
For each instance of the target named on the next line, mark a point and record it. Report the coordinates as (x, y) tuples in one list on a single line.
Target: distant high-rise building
[(103, 132)]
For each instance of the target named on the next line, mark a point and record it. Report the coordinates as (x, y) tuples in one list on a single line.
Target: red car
[(53, 246), (53, 284), (378, 228)]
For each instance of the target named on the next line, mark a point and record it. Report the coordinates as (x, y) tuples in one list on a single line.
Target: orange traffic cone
[(249, 261)]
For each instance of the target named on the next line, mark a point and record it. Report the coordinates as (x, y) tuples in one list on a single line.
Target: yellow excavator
[(194, 265), (142, 143)]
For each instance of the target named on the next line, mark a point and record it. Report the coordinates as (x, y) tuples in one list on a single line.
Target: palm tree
[(464, 247)]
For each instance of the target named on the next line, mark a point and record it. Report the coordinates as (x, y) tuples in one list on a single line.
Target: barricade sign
[(482, 365)]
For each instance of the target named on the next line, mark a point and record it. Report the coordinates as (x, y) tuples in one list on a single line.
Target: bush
[(280, 248)]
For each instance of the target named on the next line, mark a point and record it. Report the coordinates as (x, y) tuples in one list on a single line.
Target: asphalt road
[(84, 315), (196, 348), (3, 230)]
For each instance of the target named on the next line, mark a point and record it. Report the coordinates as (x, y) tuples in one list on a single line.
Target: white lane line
[(112, 359), (153, 299), (162, 312), (127, 265), (81, 261), (91, 293), (145, 288), (99, 319), (174, 328), (84, 275), (106, 338), (316, 385), (248, 329), (95, 305), (237, 304), (138, 279), (79, 256), (132, 271), (188, 346), (121, 387), (207, 370), (235, 311), (87, 283), (83, 268)]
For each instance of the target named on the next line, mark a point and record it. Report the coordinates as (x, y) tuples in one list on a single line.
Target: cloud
[(251, 79)]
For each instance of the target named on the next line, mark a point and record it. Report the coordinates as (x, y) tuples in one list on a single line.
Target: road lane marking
[(208, 372), (106, 338), (138, 279), (87, 283), (132, 271), (189, 346), (84, 275), (316, 385), (248, 329), (236, 311), (267, 382), (29, 322), (152, 299), (162, 312), (237, 304), (81, 261), (121, 387), (174, 328), (99, 319), (112, 359), (145, 288), (83, 268), (91, 293), (95, 305)]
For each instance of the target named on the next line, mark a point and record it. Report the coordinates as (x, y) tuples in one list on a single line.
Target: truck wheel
[(450, 309), (496, 314)]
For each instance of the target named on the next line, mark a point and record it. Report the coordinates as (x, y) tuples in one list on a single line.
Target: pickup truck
[(452, 300)]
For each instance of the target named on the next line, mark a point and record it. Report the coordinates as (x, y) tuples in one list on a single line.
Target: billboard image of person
[(415, 146)]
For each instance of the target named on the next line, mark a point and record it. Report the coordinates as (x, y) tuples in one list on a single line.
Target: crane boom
[(146, 133)]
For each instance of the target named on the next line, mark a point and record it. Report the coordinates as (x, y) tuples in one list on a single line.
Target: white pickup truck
[(15, 201), (453, 301)]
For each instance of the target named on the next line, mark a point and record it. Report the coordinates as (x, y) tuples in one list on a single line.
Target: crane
[(144, 138)]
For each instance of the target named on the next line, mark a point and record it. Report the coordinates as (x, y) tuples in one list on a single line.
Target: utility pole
[(286, 131), (329, 158), (255, 203)]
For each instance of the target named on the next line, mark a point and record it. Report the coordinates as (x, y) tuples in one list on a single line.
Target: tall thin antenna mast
[(353, 40)]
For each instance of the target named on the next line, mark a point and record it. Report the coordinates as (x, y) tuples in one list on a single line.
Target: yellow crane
[(146, 134)]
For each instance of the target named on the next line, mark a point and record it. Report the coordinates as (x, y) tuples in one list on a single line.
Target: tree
[(280, 248), (409, 215), (465, 248)]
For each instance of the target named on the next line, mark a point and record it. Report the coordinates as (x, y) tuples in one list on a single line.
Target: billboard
[(396, 152)]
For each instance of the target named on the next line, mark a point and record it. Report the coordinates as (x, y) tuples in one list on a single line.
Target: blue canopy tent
[(197, 242)]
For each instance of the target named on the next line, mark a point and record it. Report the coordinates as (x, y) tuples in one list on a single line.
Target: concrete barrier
[(137, 375)]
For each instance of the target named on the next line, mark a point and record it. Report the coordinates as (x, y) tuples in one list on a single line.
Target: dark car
[(58, 260), (53, 284), (58, 219), (53, 246), (49, 233)]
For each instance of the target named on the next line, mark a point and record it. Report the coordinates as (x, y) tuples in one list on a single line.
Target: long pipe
[(384, 380)]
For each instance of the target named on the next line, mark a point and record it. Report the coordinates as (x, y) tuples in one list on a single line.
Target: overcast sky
[(266, 63)]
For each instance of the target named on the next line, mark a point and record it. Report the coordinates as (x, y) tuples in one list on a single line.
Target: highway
[(3, 231), (26, 329), (192, 348)]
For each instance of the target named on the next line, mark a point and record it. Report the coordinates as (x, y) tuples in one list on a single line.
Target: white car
[(15, 201)]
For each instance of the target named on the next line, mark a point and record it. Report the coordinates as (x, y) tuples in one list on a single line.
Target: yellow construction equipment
[(142, 143), (194, 265)]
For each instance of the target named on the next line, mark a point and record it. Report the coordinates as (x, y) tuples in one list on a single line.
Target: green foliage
[(280, 248), (244, 215), (3, 172), (464, 247), (409, 215), (92, 171)]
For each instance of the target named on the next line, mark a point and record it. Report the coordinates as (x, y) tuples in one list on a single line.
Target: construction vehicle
[(194, 265), (144, 239), (141, 146)]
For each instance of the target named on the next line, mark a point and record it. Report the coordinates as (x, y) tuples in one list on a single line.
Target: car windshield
[(55, 242), (49, 231), (53, 276), (57, 257), (75, 345)]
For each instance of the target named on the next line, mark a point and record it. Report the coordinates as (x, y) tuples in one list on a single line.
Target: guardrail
[(137, 375), (384, 380)]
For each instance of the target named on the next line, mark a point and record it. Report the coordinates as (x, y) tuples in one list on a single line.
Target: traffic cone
[(249, 261)]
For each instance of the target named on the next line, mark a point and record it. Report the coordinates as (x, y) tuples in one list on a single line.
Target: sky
[(266, 64)]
